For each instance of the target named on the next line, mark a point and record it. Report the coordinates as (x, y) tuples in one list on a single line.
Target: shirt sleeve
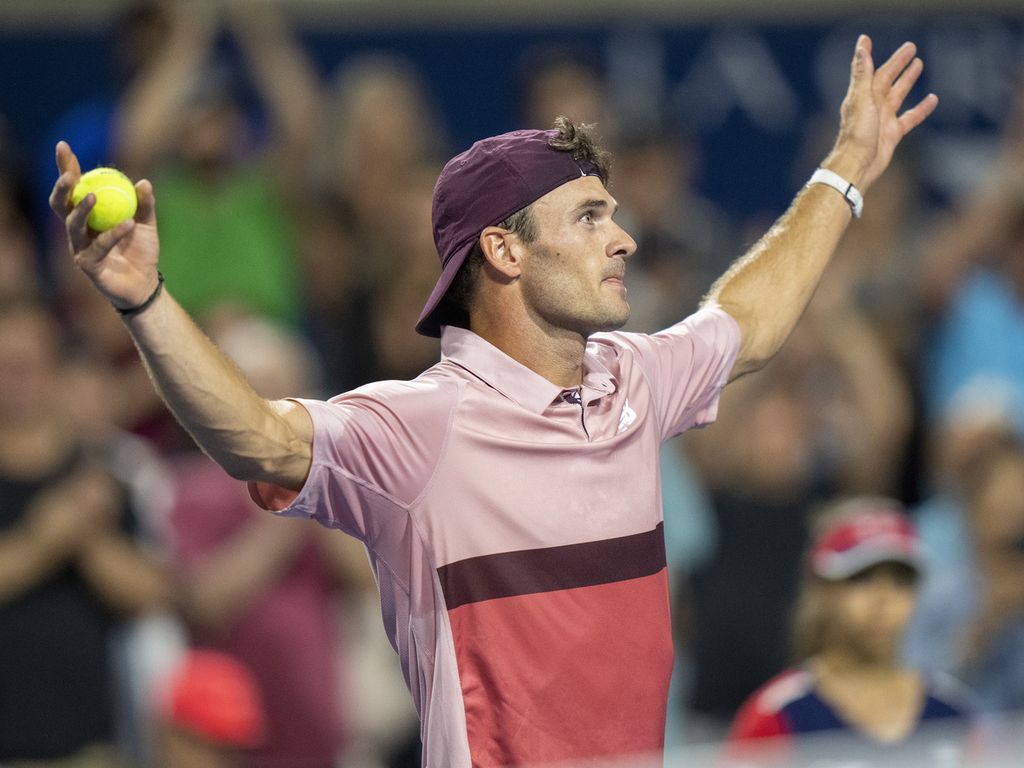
[(758, 737), (374, 452), (686, 366)]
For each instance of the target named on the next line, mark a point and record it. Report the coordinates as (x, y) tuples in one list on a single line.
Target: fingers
[(70, 173), (906, 81), (67, 162), (888, 72), (912, 118), (77, 223), (862, 68), (61, 194), (146, 212), (97, 250)]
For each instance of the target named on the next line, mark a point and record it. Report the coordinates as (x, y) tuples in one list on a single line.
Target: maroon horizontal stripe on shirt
[(528, 571)]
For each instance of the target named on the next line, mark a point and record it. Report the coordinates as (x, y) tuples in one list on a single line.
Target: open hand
[(121, 262), (871, 124)]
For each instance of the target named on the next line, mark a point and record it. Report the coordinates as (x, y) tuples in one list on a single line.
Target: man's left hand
[(871, 125)]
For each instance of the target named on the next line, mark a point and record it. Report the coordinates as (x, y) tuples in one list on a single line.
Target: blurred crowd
[(139, 583)]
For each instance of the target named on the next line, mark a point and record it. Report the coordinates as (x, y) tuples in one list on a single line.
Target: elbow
[(277, 453)]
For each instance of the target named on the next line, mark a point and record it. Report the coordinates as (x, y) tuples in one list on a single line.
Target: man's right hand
[(121, 262)]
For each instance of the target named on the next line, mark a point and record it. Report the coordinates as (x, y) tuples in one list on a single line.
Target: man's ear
[(501, 251)]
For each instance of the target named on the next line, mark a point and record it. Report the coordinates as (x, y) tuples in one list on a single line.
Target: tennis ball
[(115, 197)]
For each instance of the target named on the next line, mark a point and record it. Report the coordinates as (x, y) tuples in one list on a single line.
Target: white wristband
[(845, 188)]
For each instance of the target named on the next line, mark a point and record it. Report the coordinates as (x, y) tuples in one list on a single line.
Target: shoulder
[(710, 324), (763, 714), (946, 697), (380, 425), (430, 394)]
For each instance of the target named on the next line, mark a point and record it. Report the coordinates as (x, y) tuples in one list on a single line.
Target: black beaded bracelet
[(133, 311)]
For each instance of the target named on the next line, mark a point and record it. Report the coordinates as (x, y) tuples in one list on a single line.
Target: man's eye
[(587, 218)]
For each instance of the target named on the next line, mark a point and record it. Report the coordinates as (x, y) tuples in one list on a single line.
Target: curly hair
[(571, 137)]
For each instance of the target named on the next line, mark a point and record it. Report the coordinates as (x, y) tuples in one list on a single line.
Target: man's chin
[(616, 321)]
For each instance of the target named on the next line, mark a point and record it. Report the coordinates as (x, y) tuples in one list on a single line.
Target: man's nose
[(621, 245)]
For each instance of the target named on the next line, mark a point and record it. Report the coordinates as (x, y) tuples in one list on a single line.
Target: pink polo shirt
[(516, 536)]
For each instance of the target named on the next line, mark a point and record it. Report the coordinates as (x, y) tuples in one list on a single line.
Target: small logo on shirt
[(627, 417), (572, 396)]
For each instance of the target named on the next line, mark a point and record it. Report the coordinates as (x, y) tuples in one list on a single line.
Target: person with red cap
[(509, 497), (209, 713), (851, 697)]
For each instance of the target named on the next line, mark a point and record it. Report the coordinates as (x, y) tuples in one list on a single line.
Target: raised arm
[(152, 111), (767, 290), (980, 225), (286, 80), (251, 438)]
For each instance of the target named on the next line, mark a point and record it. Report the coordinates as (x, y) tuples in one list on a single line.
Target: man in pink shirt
[(509, 496)]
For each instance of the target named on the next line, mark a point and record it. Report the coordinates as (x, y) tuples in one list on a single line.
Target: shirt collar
[(513, 379)]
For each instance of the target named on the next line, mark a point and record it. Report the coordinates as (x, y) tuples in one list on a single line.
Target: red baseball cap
[(867, 532), (216, 697), (482, 187)]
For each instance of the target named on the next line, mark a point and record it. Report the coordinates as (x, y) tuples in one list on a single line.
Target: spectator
[(368, 243), (70, 570), (683, 240), (19, 270), (972, 282), (561, 80), (856, 598), (826, 417), (139, 32), (228, 194), (977, 422), (993, 639), (210, 713)]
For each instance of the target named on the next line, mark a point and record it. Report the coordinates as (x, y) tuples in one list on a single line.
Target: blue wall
[(746, 91)]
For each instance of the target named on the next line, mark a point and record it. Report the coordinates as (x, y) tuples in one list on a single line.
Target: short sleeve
[(758, 738), (374, 452), (686, 366)]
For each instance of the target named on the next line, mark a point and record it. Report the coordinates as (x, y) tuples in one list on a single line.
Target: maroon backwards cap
[(482, 187)]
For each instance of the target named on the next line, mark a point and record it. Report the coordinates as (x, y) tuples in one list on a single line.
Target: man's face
[(871, 610), (572, 274)]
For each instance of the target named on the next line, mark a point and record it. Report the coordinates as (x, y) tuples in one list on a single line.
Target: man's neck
[(557, 354)]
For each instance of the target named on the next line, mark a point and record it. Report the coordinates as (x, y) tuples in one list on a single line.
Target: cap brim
[(847, 564), (435, 313)]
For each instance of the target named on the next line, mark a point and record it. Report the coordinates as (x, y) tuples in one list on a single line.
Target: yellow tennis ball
[(115, 197)]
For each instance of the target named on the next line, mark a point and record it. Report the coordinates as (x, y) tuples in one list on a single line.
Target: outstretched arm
[(767, 290), (153, 109), (251, 438)]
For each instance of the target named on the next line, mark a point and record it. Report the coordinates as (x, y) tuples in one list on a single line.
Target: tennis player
[(509, 496)]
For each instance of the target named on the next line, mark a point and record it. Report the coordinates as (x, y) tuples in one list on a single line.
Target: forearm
[(282, 71), (230, 579), (251, 438), (767, 289), (882, 405), (24, 562), (287, 83), (152, 110), (980, 225)]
